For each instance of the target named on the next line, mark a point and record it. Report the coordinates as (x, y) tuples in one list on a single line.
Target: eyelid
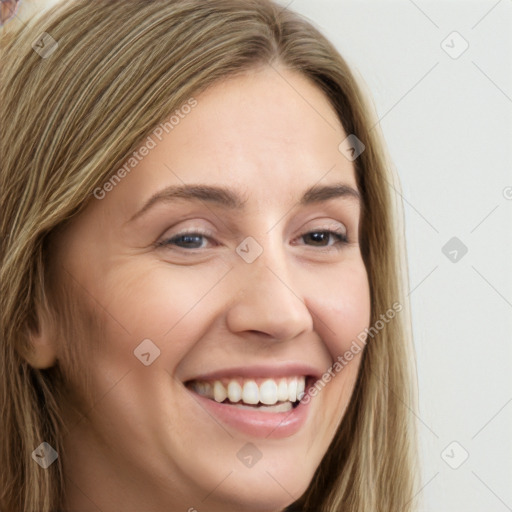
[(328, 225), (207, 233)]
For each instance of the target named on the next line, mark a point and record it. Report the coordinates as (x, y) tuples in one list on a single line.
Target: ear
[(42, 352)]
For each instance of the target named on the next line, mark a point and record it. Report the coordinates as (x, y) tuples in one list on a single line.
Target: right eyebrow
[(209, 193)]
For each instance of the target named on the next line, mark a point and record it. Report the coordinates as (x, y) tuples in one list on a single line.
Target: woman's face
[(218, 265)]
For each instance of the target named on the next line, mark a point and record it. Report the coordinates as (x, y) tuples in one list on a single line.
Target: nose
[(268, 300)]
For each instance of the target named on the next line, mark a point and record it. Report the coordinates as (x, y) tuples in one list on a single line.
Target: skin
[(145, 445)]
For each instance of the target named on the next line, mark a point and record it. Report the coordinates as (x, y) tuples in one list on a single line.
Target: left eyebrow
[(320, 193), (232, 200)]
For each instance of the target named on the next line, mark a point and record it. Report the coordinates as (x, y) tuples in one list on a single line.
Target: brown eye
[(321, 239), (318, 237)]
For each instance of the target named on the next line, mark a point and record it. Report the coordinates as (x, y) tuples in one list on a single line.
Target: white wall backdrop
[(446, 114)]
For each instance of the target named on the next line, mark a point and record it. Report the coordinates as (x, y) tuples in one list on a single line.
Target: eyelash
[(342, 239)]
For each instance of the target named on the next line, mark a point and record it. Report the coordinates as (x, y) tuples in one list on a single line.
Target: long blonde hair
[(116, 69)]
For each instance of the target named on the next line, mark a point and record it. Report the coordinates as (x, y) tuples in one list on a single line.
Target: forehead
[(269, 133)]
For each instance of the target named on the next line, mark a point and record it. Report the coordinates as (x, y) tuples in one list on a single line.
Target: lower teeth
[(281, 407)]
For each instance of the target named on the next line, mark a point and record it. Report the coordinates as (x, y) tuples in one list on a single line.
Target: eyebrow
[(231, 200)]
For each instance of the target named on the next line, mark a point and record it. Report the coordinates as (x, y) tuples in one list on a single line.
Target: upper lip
[(261, 370)]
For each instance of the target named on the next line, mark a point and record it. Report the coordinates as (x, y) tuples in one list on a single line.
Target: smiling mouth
[(271, 395)]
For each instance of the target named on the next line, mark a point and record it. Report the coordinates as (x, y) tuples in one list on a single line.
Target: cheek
[(158, 302), (147, 301), (341, 302)]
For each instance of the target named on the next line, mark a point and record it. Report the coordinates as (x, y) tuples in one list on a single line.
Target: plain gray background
[(447, 122)]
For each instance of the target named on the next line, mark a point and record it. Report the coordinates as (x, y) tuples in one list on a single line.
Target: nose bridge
[(269, 298)]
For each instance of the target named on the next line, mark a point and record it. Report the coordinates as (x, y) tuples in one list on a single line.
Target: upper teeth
[(268, 391)]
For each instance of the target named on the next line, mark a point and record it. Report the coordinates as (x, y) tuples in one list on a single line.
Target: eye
[(321, 238), (187, 239), (196, 239)]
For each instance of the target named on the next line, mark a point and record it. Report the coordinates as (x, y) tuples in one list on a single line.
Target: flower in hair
[(8, 9)]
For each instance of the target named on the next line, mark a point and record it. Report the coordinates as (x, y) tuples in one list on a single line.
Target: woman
[(202, 279)]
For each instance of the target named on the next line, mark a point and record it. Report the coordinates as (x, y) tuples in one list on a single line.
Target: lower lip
[(271, 425)]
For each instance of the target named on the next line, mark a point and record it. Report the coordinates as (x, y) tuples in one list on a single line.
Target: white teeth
[(219, 392), (204, 388), (301, 387), (282, 390), (268, 392), (234, 391), (251, 392), (292, 390)]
